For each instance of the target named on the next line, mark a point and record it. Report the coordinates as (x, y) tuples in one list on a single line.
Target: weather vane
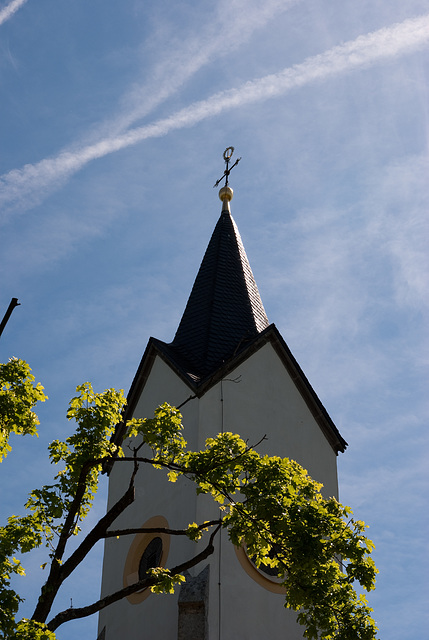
[(227, 155)]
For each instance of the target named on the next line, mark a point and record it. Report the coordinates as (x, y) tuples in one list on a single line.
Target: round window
[(264, 575), (271, 572), (147, 551)]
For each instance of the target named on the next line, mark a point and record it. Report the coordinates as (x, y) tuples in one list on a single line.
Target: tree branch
[(96, 534), (59, 572), (82, 612), (171, 532)]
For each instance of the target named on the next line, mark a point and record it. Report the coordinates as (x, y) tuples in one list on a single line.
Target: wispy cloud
[(23, 188), (232, 23), (8, 11)]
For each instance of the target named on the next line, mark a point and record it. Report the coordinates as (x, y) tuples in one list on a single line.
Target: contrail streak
[(25, 187), (232, 23), (8, 11)]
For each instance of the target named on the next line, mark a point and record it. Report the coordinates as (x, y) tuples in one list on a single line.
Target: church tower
[(228, 369)]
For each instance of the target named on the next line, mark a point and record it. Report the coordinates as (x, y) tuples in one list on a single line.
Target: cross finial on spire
[(227, 155)]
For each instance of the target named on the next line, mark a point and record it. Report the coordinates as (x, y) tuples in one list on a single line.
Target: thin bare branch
[(172, 532)]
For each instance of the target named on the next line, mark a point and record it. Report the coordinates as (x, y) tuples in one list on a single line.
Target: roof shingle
[(224, 311)]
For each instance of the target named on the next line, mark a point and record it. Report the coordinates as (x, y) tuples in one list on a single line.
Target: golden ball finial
[(226, 193)]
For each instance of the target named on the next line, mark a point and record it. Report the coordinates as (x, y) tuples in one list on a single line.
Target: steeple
[(226, 369), (223, 324), (224, 311)]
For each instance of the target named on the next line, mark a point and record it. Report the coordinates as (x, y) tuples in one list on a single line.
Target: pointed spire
[(224, 311)]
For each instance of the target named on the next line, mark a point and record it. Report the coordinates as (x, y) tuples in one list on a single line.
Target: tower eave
[(198, 386)]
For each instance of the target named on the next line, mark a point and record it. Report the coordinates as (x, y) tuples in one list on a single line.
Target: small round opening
[(151, 557)]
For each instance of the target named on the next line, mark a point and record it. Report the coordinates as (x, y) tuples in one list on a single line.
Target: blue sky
[(114, 119)]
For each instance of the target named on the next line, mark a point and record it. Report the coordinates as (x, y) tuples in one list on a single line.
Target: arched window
[(147, 551), (151, 557)]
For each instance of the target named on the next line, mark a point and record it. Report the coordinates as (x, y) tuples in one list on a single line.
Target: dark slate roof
[(224, 311)]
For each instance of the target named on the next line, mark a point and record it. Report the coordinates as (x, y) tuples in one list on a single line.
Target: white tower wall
[(257, 398)]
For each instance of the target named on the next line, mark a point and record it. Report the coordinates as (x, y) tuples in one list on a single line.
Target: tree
[(269, 504)]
